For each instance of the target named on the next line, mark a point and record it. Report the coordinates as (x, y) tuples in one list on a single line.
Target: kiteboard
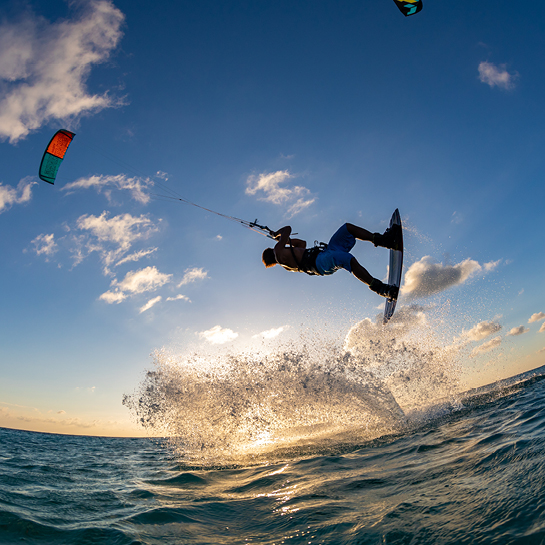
[(394, 272)]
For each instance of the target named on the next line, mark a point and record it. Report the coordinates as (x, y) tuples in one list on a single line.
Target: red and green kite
[(54, 154)]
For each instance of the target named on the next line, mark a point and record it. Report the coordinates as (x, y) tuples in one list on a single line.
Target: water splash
[(236, 404), (226, 406), (418, 366)]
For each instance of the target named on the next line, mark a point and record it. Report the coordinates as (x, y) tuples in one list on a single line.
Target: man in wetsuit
[(292, 254)]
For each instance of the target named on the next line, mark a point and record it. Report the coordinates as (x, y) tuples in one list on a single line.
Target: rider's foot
[(391, 238), (385, 290)]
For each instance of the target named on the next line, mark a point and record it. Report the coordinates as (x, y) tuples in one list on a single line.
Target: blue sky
[(308, 113)]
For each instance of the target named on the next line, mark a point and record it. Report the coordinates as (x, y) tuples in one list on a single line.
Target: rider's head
[(269, 258)]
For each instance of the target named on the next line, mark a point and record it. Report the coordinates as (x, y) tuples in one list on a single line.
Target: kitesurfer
[(293, 255)]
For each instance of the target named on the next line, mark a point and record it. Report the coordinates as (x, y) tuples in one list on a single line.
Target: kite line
[(61, 140)]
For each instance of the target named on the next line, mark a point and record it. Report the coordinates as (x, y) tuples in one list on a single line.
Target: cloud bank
[(271, 187), (44, 67)]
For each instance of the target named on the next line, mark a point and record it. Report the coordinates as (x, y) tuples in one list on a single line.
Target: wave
[(13, 526)]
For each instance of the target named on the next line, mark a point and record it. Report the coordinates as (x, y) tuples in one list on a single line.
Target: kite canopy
[(409, 7), (54, 154)]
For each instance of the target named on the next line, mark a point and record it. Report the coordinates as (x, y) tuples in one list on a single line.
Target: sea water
[(371, 442)]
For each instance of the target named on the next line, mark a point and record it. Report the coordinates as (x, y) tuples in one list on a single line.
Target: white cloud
[(121, 230), (482, 330), (10, 195), (496, 76), (111, 237), (456, 217), (518, 331), (150, 303), (113, 297), (542, 328), (295, 199), (192, 275), (137, 186), (536, 317), (89, 389), (142, 280), (45, 244), (425, 278), (491, 265), (137, 256), (44, 67), (271, 333), (487, 346), (218, 335), (179, 297), (136, 282)]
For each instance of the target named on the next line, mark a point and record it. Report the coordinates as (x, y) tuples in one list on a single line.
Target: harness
[(308, 261)]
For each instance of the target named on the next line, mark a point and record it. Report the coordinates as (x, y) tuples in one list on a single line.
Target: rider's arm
[(283, 237), (298, 243)]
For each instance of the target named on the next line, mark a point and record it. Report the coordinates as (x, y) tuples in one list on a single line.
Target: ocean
[(290, 452)]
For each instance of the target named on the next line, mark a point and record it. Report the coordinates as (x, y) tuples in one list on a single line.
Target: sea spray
[(419, 367), (227, 405)]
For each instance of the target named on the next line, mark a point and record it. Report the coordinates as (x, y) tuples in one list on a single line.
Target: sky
[(307, 113)]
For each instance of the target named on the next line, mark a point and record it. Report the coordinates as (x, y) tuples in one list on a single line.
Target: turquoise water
[(470, 473)]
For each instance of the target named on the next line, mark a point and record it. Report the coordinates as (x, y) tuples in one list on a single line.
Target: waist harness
[(308, 261)]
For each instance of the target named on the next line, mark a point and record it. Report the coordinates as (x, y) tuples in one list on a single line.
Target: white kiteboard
[(394, 272)]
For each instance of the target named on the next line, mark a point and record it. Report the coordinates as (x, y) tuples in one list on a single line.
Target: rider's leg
[(359, 232), (374, 284), (360, 272), (390, 238)]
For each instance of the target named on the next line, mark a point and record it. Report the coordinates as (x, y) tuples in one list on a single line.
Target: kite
[(409, 7), (54, 154)]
